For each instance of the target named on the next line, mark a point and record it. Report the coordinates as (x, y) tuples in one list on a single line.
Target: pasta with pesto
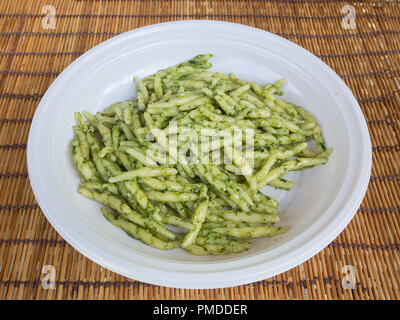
[(182, 165)]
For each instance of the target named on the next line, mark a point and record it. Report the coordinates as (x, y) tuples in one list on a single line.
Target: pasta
[(182, 165)]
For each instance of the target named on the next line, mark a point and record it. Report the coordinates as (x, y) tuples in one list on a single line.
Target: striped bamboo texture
[(367, 58)]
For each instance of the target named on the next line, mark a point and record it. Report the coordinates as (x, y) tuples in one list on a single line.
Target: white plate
[(321, 204)]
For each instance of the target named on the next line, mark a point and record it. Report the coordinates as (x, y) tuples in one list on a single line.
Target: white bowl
[(320, 205)]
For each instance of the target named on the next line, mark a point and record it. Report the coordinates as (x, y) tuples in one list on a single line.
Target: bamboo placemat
[(367, 58)]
